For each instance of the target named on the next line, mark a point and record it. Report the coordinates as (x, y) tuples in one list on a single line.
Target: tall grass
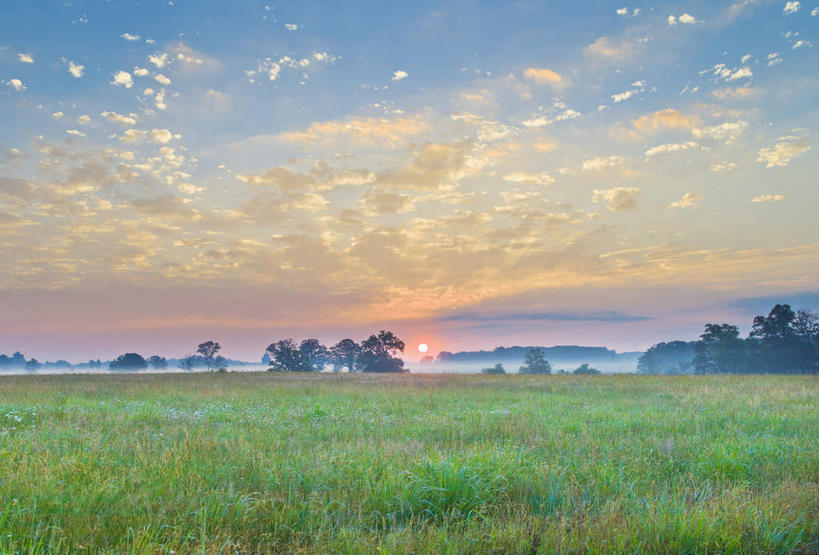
[(340, 463)]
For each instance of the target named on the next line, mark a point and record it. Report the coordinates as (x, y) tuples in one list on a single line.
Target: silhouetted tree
[(285, 356), (378, 353), (315, 354), (344, 355), (157, 362), (208, 350), (128, 362), (535, 363), (585, 369), (497, 369), (187, 362), (32, 365), (674, 357), (720, 350)]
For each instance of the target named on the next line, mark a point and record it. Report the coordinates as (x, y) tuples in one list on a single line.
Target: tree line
[(783, 342)]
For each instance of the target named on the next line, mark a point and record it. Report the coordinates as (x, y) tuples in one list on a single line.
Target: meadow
[(257, 462)]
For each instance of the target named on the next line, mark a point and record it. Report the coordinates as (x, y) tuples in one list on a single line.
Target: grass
[(350, 463)]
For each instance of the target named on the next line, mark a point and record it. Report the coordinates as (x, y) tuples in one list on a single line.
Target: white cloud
[(75, 133), (159, 60), (25, 58), (801, 43), (291, 26), (719, 167), (540, 178), (687, 19), (120, 118), (129, 37), (123, 78), (814, 12), (189, 188), (140, 71), (672, 20), (619, 97), (161, 79), (739, 74), (727, 131), (16, 84), (162, 136), (603, 163), (159, 100), (791, 7), (768, 198), (84, 120), (57, 115), (132, 136), (536, 122), (622, 11), (543, 75), (617, 198), (783, 152), (687, 200), (745, 58), (670, 147), (399, 74), (76, 70)]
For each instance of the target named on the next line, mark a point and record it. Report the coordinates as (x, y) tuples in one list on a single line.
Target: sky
[(467, 174)]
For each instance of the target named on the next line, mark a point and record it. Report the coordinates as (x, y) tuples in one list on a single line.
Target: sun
[(423, 347)]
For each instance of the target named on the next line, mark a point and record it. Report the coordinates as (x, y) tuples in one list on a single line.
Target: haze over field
[(467, 174)]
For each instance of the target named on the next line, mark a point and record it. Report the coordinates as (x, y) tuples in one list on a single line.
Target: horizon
[(465, 174)]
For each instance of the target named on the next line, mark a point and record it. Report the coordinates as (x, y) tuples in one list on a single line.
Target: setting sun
[(423, 347)]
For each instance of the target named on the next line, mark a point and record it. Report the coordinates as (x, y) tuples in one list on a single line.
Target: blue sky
[(171, 170)]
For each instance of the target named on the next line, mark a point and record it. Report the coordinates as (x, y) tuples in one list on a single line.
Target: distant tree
[(32, 365), (157, 362), (315, 354), (784, 340), (535, 363), (128, 362), (266, 359), (285, 356), (719, 350), (187, 363), (585, 369), (378, 353), (674, 357), (497, 369), (344, 355), (17, 360), (806, 325), (208, 350)]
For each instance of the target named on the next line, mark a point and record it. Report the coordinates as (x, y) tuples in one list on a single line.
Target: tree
[(674, 357), (285, 356), (32, 365), (344, 354), (535, 363), (806, 325), (584, 369), (720, 350), (157, 362), (208, 350), (129, 362), (315, 354), (186, 363), (378, 353), (497, 369)]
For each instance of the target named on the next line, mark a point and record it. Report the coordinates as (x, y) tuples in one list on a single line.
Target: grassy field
[(352, 463)]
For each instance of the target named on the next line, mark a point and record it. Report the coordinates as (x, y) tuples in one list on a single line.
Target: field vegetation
[(260, 462)]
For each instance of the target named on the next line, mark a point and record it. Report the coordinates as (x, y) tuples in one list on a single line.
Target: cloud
[(736, 93), (610, 316), (129, 37), (727, 131), (688, 200), (161, 79), (189, 188), (75, 133), (604, 47), (84, 120), (543, 76), (603, 163), (16, 188), (741, 73), (617, 198), (381, 203), (161, 136), (768, 198), (541, 178), (801, 43), (25, 58), (367, 130), (57, 115), (159, 60), (687, 19), (668, 118), (671, 147), (119, 118), (783, 152), (291, 26), (433, 166), (140, 71), (123, 78), (619, 97), (16, 84), (398, 75), (791, 7), (719, 167), (76, 70)]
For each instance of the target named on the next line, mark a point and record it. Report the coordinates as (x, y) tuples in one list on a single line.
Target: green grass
[(351, 463)]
